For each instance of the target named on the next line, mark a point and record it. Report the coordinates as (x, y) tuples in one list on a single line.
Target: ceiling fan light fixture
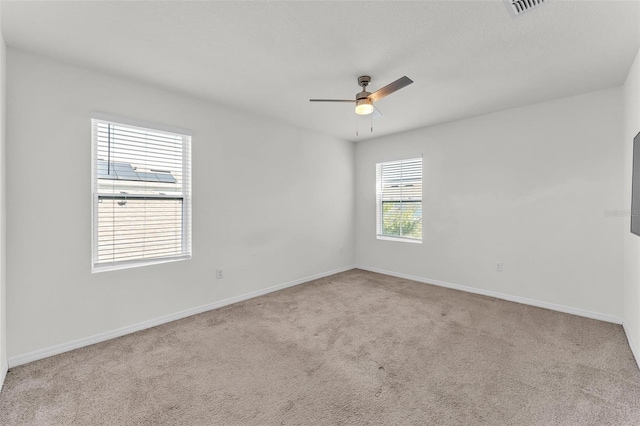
[(364, 100), (364, 106)]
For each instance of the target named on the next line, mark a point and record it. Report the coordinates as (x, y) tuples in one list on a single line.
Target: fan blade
[(390, 88), (331, 100)]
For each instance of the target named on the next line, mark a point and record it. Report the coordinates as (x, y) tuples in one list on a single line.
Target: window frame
[(380, 201), (185, 195)]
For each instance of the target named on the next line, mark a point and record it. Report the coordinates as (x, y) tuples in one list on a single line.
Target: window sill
[(104, 267), (399, 239)]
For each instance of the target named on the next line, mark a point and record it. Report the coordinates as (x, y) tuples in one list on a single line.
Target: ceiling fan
[(364, 100)]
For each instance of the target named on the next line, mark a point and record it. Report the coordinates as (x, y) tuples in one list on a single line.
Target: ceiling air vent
[(519, 6)]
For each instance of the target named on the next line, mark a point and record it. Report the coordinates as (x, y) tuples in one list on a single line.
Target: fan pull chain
[(371, 122)]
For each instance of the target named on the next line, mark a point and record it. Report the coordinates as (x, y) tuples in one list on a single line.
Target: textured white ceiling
[(466, 57)]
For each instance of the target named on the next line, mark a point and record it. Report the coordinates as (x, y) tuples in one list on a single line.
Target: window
[(399, 200), (141, 188)]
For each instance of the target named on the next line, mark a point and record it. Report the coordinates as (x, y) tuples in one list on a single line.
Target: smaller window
[(399, 200)]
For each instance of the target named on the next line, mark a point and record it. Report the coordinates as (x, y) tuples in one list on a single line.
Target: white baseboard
[(632, 343), (3, 374), (504, 296), (101, 337)]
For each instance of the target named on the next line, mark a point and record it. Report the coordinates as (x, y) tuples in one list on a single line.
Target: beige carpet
[(355, 348)]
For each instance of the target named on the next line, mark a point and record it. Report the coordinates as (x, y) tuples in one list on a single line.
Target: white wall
[(271, 204), (631, 102), (3, 298), (527, 187)]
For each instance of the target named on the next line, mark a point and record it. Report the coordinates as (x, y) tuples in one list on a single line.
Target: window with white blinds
[(399, 200), (141, 189)]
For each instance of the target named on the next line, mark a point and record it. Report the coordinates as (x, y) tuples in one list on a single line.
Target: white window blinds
[(141, 195), (399, 199)]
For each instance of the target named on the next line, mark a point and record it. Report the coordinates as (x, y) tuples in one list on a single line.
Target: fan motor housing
[(362, 95)]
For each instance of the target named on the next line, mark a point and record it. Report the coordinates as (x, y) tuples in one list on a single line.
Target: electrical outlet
[(499, 267), (219, 275)]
